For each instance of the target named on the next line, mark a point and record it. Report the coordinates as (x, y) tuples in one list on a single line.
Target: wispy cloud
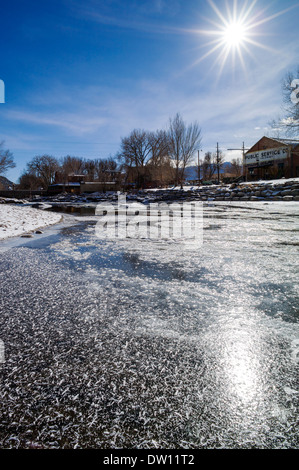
[(142, 16), (72, 122)]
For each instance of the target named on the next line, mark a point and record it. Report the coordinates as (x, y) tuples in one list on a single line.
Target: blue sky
[(80, 75)]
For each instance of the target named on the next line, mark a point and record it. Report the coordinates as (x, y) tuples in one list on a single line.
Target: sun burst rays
[(234, 33)]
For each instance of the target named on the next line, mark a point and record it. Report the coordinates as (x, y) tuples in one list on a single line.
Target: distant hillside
[(191, 172), (5, 184)]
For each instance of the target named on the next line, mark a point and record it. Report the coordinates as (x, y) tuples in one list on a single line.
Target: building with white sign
[(272, 158)]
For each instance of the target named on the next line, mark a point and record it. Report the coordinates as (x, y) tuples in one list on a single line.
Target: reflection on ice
[(242, 363)]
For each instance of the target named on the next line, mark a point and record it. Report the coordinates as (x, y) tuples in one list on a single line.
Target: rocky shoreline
[(288, 191), (255, 191)]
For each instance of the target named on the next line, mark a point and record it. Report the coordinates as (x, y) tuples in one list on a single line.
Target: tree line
[(145, 158), (44, 170)]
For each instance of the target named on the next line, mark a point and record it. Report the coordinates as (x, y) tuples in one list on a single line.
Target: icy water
[(141, 344)]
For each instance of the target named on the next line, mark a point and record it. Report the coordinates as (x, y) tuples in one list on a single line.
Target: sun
[(234, 34)]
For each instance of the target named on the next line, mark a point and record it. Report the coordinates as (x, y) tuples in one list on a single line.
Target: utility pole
[(243, 159), (198, 166), (217, 163)]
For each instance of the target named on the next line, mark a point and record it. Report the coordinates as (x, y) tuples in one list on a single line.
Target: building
[(272, 158), (58, 188), (97, 186), (83, 187), (79, 184)]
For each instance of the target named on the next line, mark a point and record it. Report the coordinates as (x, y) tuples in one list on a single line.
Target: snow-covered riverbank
[(15, 220)]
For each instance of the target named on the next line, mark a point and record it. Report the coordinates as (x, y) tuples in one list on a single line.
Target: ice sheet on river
[(144, 345)]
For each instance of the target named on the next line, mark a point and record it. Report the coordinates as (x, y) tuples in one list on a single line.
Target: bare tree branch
[(184, 141), (6, 159)]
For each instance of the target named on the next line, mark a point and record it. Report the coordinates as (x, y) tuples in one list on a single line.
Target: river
[(142, 344)]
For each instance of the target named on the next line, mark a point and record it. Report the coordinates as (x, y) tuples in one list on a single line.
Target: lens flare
[(234, 32)]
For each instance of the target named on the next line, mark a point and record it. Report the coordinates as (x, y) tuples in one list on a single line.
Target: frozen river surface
[(141, 344)]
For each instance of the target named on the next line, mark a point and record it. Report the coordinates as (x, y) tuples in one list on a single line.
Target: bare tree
[(176, 137), (69, 166), (136, 148), (6, 159), (290, 90), (90, 169), (159, 147), (237, 167), (135, 152), (45, 168), (72, 165), (184, 141), (208, 166), (29, 181), (159, 167), (106, 169)]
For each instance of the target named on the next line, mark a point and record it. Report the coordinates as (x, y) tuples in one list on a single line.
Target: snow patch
[(15, 221)]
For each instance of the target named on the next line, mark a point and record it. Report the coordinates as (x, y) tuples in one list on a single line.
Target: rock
[(27, 235), (39, 231), (288, 198), (296, 198)]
